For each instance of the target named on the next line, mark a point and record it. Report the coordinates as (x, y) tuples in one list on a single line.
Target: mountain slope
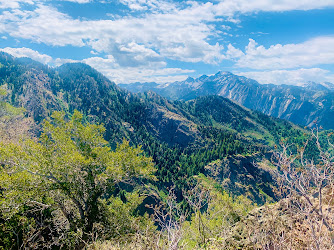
[(301, 105), (77, 86), (182, 137)]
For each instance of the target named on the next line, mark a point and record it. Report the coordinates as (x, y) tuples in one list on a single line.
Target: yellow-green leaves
[(69, 168), (3, 92), (127, 162)]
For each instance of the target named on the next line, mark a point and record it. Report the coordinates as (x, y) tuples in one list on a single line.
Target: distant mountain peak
[(223, 73), (299, 104), (76, 65), (328, 85), (190, 79), (202, 77), (314, 86)]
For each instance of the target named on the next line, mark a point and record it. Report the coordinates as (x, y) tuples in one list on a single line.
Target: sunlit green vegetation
[(87, 164)]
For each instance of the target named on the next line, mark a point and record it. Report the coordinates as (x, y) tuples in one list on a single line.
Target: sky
[(271, 41)]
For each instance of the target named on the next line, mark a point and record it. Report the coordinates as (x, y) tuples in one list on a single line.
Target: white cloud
[(101, 64), (291, 77), (181, 35), (61, 61), (233, 52), (26, 52), (13, 4), (195, 51), (313, 52), (226, 27), (109, 67), (153, 5), (45, 25), (135, 4), (140, 56), (35, 55), (230, 7), (128, 75), (78, 1), (177, 30)]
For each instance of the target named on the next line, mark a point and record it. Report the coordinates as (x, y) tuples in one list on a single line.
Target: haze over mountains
[(299, 104)]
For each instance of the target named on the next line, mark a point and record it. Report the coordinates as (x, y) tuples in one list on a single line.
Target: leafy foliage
[(70, 170), (181, 137), (80, 181)]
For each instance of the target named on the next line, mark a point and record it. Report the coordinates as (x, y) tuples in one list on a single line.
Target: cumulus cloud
[(153, 5), (78, 1), (111, 69), (181, 35), (13, 4), (26, 52), (139, 54), (290, 77), (60, 61), (45, 25), (230, 7), (313, 52), (179, 30)]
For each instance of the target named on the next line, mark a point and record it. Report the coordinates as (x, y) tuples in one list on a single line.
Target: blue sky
[(272, 41)]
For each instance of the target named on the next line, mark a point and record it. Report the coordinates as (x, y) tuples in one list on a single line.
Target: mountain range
[(304, 105), (183, 138), (201, 144)]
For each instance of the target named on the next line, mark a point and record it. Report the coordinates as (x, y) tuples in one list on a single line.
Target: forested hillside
[(182, 137), (106, 150)]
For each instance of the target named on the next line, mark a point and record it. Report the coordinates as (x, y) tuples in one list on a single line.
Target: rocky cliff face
[(301, 105)]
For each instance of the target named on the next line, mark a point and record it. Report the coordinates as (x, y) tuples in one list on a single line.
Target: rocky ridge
[(300, 105)]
